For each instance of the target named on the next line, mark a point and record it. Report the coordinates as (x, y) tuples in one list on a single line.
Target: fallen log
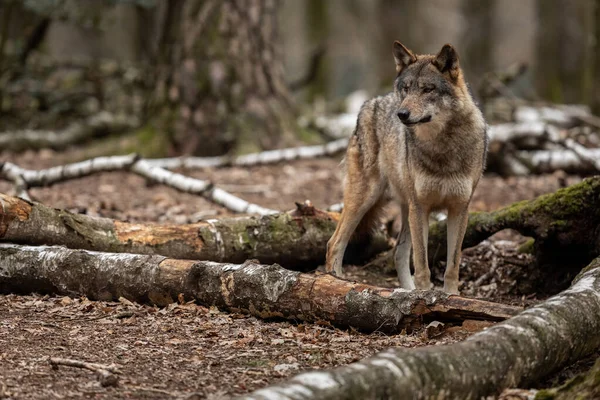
[(569, 161), (97, 125), (563, 116), (264, 157), (265, 291), (564, 224), (24, 179), (297, 239), (513, 353)]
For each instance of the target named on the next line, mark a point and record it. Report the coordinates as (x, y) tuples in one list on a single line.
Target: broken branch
[(106, 373)]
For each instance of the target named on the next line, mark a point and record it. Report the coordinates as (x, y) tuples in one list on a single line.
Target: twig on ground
[(106, 373), (485, 277)]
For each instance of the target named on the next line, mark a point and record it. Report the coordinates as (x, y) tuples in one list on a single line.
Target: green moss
[(585, 386), (527, 247), (150, 142), (546, 394), (309, 136)]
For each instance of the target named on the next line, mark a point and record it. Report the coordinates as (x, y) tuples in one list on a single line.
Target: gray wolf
[(425, 145)]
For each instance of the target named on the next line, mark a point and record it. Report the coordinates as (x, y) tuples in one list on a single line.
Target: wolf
[(425, 145)]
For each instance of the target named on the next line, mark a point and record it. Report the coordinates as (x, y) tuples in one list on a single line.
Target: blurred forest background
[(208, 77)]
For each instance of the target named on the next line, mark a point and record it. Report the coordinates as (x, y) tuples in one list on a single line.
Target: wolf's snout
[(403, 114)]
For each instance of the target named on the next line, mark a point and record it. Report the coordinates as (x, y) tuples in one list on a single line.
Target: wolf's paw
[(451, 288), (423, 284)]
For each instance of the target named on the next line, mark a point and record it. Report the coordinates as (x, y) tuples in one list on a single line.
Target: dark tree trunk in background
[(596, 59), (225, 85), (476, 53), (565, 52)]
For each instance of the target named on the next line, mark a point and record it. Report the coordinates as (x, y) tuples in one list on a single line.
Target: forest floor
[(190, 351)]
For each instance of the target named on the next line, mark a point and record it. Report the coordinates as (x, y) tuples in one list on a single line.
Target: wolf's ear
[(403, 56), (447, 61)]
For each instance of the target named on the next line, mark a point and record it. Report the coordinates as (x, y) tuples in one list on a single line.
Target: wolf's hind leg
[(362, 194), (354, 212), (402, 252)]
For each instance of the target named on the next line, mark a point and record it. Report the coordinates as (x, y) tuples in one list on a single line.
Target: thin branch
[(32, 178), (106, 373), (265, 157)]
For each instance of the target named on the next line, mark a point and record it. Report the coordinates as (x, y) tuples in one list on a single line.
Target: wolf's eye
[(405, 88), (428, 89)]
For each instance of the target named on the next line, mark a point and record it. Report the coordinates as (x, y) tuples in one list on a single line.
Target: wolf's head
[(430, 89)]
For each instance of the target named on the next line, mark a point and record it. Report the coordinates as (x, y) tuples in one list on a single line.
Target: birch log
[(264, 291), (513, 353), (296, 240), (548, 161), (186, 184), (265, 157), (96, 125)]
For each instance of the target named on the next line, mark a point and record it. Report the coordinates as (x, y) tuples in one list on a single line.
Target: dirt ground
[(190, 351)]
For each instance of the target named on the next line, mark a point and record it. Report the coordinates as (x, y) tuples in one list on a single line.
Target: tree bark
[(265, 291), (227, 87), (296, 240), (513, 353), (564, 224)]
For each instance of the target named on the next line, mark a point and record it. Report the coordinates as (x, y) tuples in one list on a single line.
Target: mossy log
[(296, 240), (585, 386), (564, 224), (513, 353), (265, 291)]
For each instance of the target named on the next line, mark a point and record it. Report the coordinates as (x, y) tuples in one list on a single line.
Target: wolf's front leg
[(402, 251), (457, 226), (419, 231)]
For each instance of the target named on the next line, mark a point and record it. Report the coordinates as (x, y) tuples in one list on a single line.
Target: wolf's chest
[(441, 191)]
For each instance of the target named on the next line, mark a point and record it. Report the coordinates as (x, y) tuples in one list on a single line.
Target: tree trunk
[(565, 226), (564, 52), (296, 240), (226, 86), (265, 291), (596, 60), (515, 352)]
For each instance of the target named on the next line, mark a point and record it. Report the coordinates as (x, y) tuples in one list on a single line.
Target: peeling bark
[(296, 240), (265, 291), (565, 225), (513, 353)]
